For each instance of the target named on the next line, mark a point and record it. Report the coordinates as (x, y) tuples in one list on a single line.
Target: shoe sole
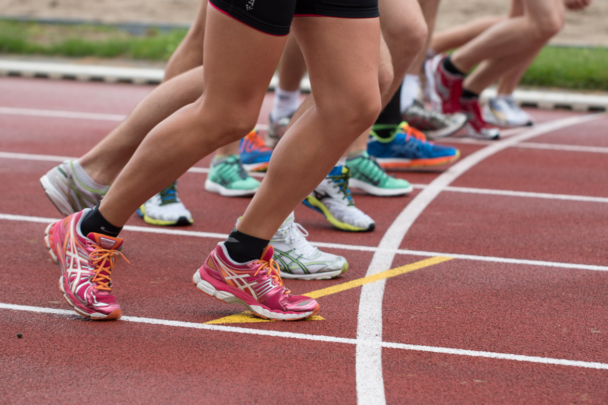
[(256, 167), (471, 133), (181, 221), (258, 311), (56, 196), (379, 191), (116, 314), (226, 192), (315, 204), (316, 276), (413, 164)]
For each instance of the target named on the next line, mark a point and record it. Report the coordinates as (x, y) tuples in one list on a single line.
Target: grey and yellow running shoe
[(69, 193), (165, 209), (228, 178), (367, 175)]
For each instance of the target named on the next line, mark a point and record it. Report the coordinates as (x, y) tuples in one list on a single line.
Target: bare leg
[(347, 102), (512, 37), (456, 37), (292, 66)]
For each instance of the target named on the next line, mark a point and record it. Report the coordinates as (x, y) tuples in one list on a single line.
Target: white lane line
[(31, 112), (34, 112), (471, 190), (370, 381), (322, 338), (565, 148), (220, 236)]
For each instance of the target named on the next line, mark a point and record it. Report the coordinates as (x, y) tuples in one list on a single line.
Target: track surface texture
[(509, 306)]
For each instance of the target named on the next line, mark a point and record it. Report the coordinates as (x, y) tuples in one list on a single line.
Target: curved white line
[(370, 381)]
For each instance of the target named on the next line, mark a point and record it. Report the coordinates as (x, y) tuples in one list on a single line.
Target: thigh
[(543, 11), (239, 61), (342, 56)]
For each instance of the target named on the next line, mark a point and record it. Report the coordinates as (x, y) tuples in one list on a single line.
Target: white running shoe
[(165, 209), (67, 192), (298, 259), (276, 130), (332, 199), (504, 112)]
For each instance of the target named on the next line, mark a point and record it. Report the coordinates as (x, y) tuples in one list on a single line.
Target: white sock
[(85, 179), (410, 90), (285, 103)]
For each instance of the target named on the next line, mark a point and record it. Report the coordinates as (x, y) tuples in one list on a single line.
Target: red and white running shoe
[(86, 267), (476, 126), (444, 87), (256, 284)]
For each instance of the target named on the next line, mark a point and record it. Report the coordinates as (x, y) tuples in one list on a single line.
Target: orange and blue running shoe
[(408, 148), (86, 267), (256, 284), (255, 155)]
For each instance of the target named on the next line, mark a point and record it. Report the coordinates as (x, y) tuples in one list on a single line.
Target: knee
[(232, 122), (548, 26), (357, 112), (406, 40)]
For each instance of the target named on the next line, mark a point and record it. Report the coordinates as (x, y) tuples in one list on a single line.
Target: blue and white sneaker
[(332, 199), (255, 155), (165, 209), (408, 148)]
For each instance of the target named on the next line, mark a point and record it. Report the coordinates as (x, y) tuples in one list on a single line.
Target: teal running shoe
[(228, 178), (367, 175)]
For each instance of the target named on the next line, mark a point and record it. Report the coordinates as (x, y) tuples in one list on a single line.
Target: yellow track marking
[(248, 317)]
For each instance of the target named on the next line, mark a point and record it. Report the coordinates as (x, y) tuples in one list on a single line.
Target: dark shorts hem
[(247, 19), (338, 13)]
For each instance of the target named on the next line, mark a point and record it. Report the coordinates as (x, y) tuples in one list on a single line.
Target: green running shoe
[(228, 178), (367, 175)]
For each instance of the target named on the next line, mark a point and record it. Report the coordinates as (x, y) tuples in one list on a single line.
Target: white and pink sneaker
[(256, 284), (86, 267)]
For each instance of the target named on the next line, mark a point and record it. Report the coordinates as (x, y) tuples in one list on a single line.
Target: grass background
[(558, 67)]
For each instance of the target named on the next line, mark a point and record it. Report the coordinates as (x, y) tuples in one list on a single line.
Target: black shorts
[(274, 16)]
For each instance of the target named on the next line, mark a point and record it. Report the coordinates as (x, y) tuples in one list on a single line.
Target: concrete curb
[(530, 98)]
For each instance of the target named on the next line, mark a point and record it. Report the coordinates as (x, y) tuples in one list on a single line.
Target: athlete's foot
[(165, 209), (332, 198), (276, 130), (367, 175), (444, 87), (68, 192), (256, 284), (433, 124), (255, 155), (298, 259), (408, 148), (86, 267), (477, 127), (504, 112), (229, 178)]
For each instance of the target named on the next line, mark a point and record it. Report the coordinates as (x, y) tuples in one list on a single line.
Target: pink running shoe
[(256, 284), (86, 267), (476, 126), (445, 88)]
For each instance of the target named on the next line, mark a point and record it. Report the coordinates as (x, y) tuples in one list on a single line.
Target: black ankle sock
[(449, 66), (96, 223), (244, 248), (469, 94)]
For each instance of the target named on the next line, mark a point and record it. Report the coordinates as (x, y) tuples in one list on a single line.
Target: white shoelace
[(297, 234)]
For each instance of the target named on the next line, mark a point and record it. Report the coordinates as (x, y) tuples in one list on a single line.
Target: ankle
[(94, 222), (244, 248)]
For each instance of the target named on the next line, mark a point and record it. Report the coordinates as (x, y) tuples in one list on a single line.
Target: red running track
[(491, 307)]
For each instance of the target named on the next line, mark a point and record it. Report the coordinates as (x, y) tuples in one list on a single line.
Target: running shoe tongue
[(105, 242), (267, 254)]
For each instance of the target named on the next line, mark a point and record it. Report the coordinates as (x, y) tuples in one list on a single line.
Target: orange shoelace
[(405, 127), (272, 269), (257, 140), (100, 257)]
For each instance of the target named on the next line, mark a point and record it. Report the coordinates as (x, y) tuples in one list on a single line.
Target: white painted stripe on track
[(471, 190), (61, 114), (565, 148), (212, 235), (321, 338), (370, 381)]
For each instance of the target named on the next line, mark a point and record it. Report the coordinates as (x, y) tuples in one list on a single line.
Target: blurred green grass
[(86, 40), (559, 67)]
